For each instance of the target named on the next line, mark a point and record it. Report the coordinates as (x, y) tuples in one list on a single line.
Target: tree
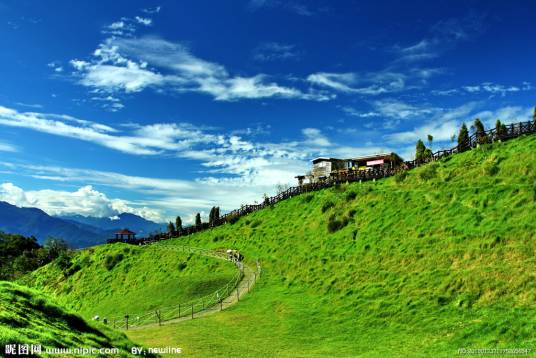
[(419, 151), (178, 224), (463, 138), (216, 215), (211, 216), (500, 129), (171, 228), (198, 222), (55, 247), (534, 116), (481, 136), (430, 140)]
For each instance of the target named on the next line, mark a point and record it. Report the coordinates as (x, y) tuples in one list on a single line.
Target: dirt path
[(249, 278)]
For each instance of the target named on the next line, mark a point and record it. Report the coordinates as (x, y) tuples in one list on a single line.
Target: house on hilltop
[(324, 167)]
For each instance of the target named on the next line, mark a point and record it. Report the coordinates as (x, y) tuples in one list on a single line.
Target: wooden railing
[(510, 131)]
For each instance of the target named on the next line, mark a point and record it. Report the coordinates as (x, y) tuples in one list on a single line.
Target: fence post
[(114, 323), (237, 294), (221, 304), (192, 311), (248, 285), (179, 310), (157, 312), (126, 321)]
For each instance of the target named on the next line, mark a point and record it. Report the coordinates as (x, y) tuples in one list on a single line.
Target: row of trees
[(177, 228), (422, 153)]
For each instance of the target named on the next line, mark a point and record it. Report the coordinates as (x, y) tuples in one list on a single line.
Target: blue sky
[(165, 108)]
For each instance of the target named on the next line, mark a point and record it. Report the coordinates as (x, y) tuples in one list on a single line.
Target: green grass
[(112, 280), (29, 317), (441, 259)]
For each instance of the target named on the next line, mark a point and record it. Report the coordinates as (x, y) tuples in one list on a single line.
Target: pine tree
[(419, 151), (216, 215), (178, 224), (212, 217), (463, 138), (481, 136), (171, 228), (198, 222)]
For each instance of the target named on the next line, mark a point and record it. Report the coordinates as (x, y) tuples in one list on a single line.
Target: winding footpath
[(236, 289)]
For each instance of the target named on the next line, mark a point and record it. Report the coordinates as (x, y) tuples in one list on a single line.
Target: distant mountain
[(35, 222), (139, 225)]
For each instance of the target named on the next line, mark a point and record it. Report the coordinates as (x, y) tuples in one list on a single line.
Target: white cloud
[(315, 137), (373, 83), (490, 88), (7, 147), (152, 10), (130, 65), (144, 21), (84, 201)]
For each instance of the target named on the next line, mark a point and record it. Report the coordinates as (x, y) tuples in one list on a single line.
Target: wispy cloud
[(275, 51), (7, 147), (296, 7), (489, 88), (133, 64), (349, 82), (444, 35)]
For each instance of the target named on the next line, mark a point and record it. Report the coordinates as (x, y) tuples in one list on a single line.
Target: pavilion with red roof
[(125, 233)]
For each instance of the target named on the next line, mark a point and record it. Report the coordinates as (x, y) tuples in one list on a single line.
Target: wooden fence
[(214, 301), (510, 131)]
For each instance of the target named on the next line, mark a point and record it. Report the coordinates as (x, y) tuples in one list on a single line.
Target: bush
[(182, 266), (335, 224), (429, 172), (327, 205), (112, 260), (351, 195), (400, 176), (308, 198)]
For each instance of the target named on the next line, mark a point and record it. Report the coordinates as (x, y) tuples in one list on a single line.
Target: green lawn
[(112, 280), (417, 266)]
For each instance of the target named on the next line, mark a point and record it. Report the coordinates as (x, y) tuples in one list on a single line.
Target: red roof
[(125, 232)]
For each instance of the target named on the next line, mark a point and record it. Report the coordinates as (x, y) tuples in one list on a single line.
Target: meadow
[(421, 264)]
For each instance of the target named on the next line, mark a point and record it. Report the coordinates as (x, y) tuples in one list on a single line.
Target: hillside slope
[(29, 317), (417, 265), (112, 280)]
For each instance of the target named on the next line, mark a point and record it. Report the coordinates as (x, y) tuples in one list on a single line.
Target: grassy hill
[(29, 317), (416, 265), (112, 280)]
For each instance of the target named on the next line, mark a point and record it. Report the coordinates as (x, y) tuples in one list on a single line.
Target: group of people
[(234, 255)]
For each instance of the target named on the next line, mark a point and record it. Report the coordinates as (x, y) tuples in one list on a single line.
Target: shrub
[(308, 198), (327, 205), (429, 172), (401, 176), (112, 260), (351, 195), (182, 266), (335, 224)]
